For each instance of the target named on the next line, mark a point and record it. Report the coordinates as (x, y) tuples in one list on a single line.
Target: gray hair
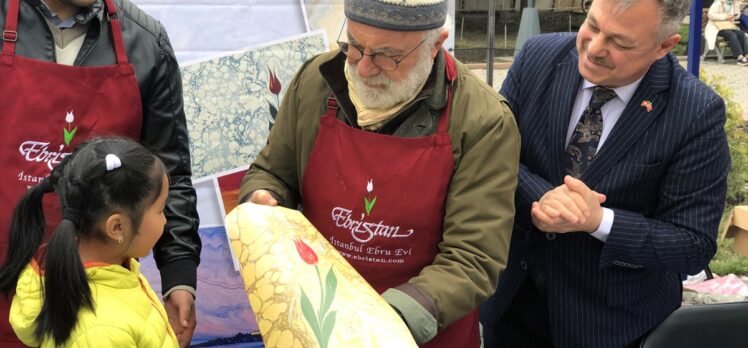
[(432, 35), (672, 13)]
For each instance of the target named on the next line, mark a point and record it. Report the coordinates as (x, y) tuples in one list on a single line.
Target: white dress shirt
[(611, 112)]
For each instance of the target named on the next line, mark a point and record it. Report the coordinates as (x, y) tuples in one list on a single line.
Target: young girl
[(112, 193)]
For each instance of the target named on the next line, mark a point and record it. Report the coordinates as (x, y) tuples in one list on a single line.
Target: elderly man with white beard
[(392, 148)]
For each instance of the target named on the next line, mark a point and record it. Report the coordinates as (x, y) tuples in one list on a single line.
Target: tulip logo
[(368, 201), (67, 133)]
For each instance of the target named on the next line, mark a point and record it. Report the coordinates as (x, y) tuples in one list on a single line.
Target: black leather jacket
[(164, 129)]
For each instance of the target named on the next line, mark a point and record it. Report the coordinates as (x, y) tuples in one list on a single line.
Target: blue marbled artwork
[(229, 101)]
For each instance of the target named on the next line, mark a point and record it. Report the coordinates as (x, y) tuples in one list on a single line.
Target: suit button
[(550, 236), (523, 265)]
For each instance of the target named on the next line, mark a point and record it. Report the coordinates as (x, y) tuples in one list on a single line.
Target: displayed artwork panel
[(207, 28), (224, 317), (231, 101)]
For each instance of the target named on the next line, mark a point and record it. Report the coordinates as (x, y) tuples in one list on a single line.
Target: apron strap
[(450, 67), (443, 126), (10, 34), (116, 29), (451, 71), (331, 106)]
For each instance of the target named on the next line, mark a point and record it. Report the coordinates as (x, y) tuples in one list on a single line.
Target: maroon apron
[(379, 200), (47, 110)]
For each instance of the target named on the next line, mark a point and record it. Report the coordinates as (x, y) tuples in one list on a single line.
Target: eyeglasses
[(381, 60)]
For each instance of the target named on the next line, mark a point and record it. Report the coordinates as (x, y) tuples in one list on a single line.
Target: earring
[(120, 240)]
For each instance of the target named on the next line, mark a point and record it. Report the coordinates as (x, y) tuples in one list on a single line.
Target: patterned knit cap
[(398, 15)]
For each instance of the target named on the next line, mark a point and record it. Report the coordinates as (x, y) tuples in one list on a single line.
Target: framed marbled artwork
[(231, 101)]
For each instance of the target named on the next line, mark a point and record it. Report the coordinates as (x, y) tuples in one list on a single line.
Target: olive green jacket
[(480, 199)]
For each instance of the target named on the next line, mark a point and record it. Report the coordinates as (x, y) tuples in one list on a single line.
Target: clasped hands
[(570, 207)]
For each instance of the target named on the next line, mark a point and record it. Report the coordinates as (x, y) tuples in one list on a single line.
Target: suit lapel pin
[(646, 104)]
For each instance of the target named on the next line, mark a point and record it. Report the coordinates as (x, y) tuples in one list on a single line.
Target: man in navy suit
[(622, 180)]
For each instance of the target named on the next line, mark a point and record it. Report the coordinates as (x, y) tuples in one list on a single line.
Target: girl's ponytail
[(66, 288), (26, 234)]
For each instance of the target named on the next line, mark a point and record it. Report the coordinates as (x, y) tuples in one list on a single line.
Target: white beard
[(393, 93)]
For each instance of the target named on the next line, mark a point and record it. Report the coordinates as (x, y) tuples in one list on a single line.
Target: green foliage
[(737, 138), (727, 260), (682, 47)]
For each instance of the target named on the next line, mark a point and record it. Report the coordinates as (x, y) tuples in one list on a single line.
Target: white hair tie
[(112, 162)]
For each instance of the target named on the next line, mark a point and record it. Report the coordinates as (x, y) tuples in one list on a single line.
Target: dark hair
[(88, 193)]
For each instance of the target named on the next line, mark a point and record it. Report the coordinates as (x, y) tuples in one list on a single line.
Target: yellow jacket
[(127, 311)]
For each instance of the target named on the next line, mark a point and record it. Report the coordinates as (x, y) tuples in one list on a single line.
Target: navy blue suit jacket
[(664, 173)]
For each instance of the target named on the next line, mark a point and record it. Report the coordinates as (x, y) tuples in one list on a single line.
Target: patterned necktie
[(583, 143)]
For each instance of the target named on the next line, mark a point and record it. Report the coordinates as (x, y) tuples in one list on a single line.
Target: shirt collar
[(83, 16), (624, 93)]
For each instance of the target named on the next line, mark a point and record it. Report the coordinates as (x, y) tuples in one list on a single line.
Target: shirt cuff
[(605, 225), (187, 288), (422, 325)]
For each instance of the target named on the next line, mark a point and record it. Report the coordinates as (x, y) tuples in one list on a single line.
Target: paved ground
[(735, 76)]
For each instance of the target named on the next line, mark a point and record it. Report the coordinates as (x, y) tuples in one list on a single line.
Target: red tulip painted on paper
[(306, 253), (321, 321), (274, 86)]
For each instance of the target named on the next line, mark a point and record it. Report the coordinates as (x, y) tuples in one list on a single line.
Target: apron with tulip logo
[(47, 110), (379, 200)]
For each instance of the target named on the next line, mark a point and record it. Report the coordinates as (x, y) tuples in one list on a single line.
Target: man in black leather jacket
[(164, 129)]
